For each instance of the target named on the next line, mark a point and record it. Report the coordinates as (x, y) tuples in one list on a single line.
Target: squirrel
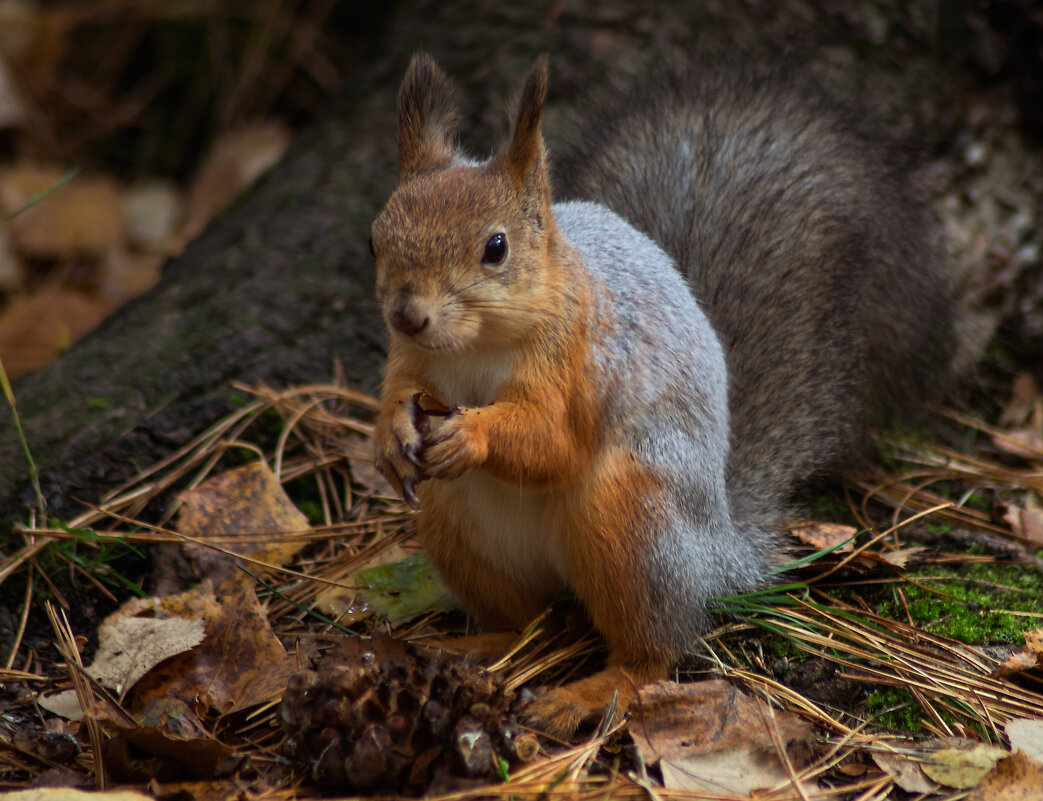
[(636, 380)]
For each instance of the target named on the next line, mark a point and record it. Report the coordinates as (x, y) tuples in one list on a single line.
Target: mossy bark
[(280, 285)]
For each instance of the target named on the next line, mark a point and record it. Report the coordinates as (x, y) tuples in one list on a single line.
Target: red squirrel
[(637, 380)]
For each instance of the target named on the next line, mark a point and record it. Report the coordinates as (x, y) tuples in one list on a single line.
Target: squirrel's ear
[(427, 115), (524, 158)]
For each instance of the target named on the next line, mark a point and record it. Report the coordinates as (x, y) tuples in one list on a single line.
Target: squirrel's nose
[(408, 319)]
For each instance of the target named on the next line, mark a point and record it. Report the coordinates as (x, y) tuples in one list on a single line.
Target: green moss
[(894, 708), (976, 602)]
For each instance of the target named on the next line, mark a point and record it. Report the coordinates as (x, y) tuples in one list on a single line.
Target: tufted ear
[(524, 158), (427, 115)]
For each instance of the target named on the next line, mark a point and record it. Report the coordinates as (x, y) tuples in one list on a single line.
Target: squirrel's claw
[(397, 445), (412, 453), (455, 447), (409, 493)]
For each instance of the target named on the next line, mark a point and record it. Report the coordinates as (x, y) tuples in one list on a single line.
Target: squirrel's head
[(461, 246)]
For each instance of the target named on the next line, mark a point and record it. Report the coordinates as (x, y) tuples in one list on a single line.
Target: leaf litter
[(340, 602)]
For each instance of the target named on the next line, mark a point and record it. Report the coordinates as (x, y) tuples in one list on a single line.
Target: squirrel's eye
[(495, 249)]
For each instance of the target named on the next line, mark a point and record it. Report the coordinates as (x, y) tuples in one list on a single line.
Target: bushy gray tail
[(802, 239)]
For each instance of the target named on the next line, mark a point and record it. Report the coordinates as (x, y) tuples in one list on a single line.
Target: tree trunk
[(280, 285)]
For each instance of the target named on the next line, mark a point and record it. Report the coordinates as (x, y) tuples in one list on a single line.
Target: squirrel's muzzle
[(408, 316)]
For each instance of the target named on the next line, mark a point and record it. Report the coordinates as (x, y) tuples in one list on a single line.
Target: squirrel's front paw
[(456, 446), (397, 444)]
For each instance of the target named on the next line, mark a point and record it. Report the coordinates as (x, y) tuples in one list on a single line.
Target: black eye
[(372, 252), (495, 249)]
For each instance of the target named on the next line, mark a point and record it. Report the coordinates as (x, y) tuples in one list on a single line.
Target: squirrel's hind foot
[(560, 711)]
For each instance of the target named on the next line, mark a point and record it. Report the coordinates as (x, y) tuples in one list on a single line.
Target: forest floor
[(250, 617)]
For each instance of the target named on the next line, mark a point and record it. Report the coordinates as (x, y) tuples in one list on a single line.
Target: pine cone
[(384, 715)]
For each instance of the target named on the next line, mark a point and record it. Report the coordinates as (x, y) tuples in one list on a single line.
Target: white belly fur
[(512, 529), (470, 377), (510, 524)]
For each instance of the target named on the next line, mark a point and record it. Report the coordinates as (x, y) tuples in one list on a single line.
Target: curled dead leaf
[(1029, 657), (824, 535), (709, 736)]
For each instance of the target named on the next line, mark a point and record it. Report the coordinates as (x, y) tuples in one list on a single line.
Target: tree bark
[(280, 285)]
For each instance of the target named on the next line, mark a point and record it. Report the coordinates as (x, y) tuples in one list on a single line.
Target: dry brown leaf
[(153, 210), (899, 557), (12, 107), (239, 663), (709, 736), (1029, 657), (1026, 736), (247, 500), (123, 275), (128, 647), (83, 217), (69, 794), (235, 160), (906, 772), (176, 747), (11, 273), (1024, 442), (35, 328), (1025, 398), (1017, 778), (963, 768), (824, 535), (1026, 522)]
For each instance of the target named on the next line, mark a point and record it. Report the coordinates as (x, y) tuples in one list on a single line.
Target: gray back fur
[(663, 380), (803, 241)]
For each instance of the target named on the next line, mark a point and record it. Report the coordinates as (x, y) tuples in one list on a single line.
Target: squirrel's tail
[(802, 238)]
